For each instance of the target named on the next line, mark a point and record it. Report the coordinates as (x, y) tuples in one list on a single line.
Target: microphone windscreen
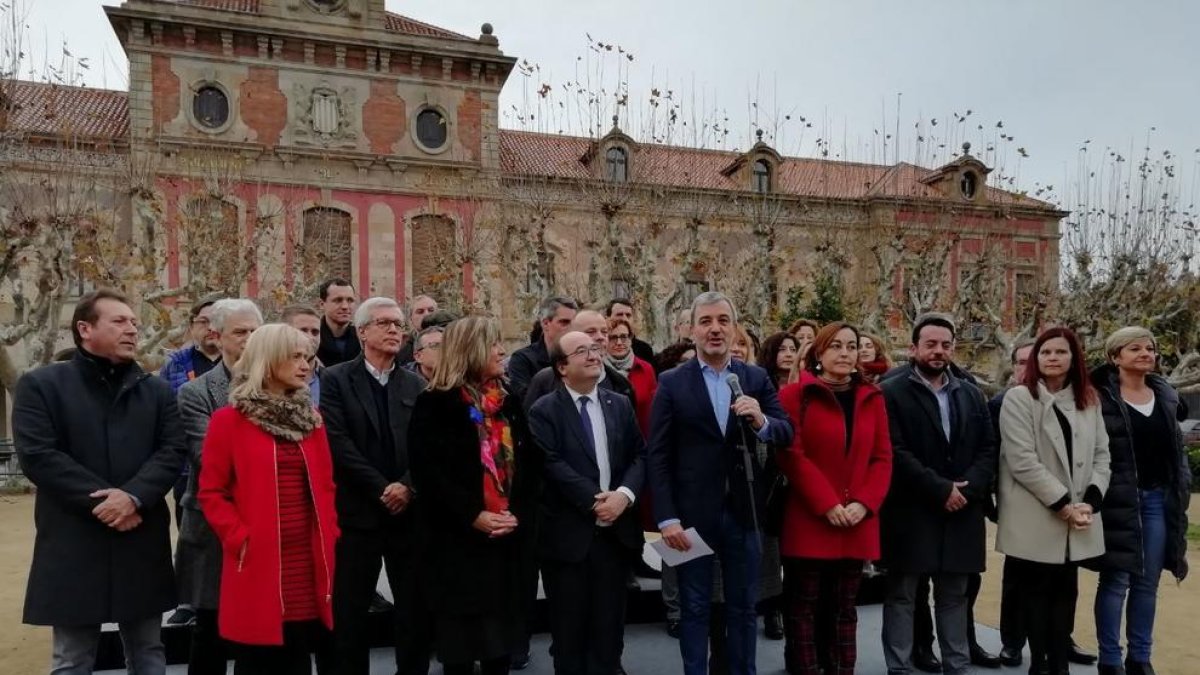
[(734, 384)]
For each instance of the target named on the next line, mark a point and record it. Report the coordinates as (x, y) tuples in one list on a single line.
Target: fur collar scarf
[(292, 418)]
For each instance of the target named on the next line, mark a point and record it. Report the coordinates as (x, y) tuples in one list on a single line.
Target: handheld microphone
[(734, 384)]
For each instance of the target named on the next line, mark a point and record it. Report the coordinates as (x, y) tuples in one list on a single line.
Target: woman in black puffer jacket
[(1145, 508)]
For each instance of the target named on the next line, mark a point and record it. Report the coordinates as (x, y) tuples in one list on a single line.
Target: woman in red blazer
[(838, 467), (266, 488)]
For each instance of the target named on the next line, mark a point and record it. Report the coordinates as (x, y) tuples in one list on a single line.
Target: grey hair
[(227, 307), (711, 298), (428, 331), (412, 303), (1123, 337), (362, 315), (550, 306)]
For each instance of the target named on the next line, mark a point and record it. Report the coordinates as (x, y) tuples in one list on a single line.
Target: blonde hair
[(1123, 337), (740, 333), (268, 347), (466, 350)]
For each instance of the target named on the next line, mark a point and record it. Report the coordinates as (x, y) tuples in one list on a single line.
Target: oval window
[(210, 107), (431, 129)]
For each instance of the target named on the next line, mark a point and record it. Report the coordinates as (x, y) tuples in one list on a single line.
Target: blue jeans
[(739, 550), (1141, 589)]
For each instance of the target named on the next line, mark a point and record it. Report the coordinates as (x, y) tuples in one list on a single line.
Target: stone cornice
[(484, 61)]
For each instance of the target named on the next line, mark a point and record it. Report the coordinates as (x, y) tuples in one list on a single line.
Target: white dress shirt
[(381, 376), (599, 440)]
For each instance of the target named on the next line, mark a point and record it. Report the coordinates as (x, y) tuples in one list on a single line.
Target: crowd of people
[(308, 454)]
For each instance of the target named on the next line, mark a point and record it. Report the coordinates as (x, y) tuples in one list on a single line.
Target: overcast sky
[(1056, 73)]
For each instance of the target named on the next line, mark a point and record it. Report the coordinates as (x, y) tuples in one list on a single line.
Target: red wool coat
[(822, 474), (239, 496), (644, 383)]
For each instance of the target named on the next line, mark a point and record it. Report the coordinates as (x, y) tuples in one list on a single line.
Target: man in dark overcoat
[(101, 440), (944, 456)]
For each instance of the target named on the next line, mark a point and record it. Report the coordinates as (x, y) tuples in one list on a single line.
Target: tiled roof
[(56, 110), (51, 110), (246, 6), (403, 24), (542, 154)]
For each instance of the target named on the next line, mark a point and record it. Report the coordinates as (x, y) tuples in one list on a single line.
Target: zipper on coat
[(320, 530), (278, 517)]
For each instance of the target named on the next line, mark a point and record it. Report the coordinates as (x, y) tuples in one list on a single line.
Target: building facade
[(335, 137)]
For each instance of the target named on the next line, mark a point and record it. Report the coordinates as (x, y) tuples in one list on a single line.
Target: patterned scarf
[(621, 365), (495, 438), (292, 418)]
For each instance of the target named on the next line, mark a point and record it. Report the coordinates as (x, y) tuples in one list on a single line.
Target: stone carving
[(324, 116)]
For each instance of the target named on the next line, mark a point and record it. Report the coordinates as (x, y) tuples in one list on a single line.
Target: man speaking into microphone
[(698, 473)]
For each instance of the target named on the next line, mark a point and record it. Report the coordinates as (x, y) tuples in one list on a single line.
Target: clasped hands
[(847, 515), (1078, 516), (118, 510), (610, 505), (396, 497), (495, 524)]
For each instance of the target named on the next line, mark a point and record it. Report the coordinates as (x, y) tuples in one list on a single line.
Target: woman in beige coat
[(1054, 469)]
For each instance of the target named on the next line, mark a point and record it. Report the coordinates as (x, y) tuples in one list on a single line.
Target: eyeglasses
[(435, 346), (200, 321), (388, 323), (594, 349), (620, 338)]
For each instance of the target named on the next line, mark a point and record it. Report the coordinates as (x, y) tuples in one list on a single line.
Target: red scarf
[(495, 445)]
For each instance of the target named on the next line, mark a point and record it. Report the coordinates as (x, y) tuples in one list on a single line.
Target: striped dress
[(296, 522)]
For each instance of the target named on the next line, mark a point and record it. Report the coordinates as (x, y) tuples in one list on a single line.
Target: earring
[(818, 368)]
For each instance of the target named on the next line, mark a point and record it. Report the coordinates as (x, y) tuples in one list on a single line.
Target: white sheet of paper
[(675, 558)]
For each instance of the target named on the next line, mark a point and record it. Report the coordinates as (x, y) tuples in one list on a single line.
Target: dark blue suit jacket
[(572, 476), (694, 469)]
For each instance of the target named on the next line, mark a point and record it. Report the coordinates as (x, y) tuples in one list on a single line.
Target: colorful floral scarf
[(495, 445)]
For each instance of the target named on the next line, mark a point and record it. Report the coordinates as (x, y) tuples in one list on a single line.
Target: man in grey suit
[(198, 554)]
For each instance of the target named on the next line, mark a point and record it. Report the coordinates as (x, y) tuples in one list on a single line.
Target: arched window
[(616, 164), (968, 184), (762, 177), (212, 242), (434, 254), (325, 250)]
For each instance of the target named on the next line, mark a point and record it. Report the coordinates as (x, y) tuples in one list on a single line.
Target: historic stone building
[(370, 142)]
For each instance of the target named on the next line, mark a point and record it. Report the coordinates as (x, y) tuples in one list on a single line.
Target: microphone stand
[(749, 438)]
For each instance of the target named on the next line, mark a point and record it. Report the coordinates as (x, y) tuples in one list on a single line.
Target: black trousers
[(208, 652), (359, 554), (923, 615), (527, 585), (293, 657), (1048, 593), (587, 607), (1012, 628)]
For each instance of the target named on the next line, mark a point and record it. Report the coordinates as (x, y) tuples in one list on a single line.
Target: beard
[(929, 370)]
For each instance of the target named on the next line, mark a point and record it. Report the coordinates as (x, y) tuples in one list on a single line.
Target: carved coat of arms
[(324, 115)]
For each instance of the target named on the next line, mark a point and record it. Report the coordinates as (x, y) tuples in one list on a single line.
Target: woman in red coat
[(639, 373), (266, 488), (838, 467)]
